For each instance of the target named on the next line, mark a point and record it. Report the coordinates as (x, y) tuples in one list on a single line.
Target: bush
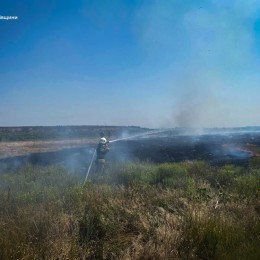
[(226, 175), (170, 175), (207, 237), (247, 186)]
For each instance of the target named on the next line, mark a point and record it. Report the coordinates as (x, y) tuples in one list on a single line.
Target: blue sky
[(157, 63)]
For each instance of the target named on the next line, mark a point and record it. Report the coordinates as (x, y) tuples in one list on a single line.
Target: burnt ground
[(215, 149), (218, 149)]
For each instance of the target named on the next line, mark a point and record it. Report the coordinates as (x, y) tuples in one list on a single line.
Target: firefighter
[(102, 150)]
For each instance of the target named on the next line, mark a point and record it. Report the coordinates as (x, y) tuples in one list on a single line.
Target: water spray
[(116, 140), (139, 135)]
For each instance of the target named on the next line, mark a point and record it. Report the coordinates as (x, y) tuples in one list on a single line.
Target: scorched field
[(164, 195)]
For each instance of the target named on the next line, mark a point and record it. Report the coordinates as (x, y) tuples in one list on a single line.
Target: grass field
[(135, 211)]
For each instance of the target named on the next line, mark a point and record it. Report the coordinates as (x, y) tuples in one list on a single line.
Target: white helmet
[(103, 140)]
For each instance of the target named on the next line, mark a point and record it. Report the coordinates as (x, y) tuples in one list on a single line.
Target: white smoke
[(207, 50)]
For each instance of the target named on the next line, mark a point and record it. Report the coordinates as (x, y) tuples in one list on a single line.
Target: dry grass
[(21, 148), (168, 211)]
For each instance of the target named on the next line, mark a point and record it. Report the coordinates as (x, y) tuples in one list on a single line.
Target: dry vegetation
[(20, 141), (21, 148), (135, 211)]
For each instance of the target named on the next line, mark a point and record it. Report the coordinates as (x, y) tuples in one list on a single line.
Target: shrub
[(169, 175), (247, 186), (226, 175), (207, 237), (127, 174)]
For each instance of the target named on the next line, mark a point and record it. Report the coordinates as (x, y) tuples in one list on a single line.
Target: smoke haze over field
[(150, 63)]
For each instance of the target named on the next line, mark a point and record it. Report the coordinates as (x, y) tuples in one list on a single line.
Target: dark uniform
[(102, 150)]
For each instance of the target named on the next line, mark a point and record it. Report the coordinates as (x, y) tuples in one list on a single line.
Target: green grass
[(135, 211)]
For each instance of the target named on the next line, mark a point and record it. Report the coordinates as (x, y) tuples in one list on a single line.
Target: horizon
[(130, 63), (135, 126)]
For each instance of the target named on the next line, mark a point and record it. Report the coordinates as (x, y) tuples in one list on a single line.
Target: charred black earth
[(216, 149)]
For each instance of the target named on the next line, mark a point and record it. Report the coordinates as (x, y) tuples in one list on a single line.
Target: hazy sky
[(161, 63)]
